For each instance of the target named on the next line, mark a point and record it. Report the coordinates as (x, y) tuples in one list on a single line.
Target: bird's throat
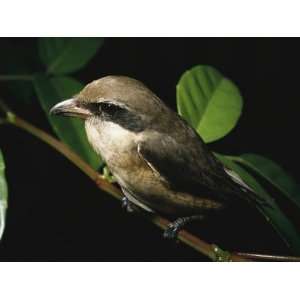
[(110, 140)]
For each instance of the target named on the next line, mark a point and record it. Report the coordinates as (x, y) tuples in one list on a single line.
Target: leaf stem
[(184, 236), (16, 77)]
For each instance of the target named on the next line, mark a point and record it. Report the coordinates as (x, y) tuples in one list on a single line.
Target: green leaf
[(271, 211), (66, 55), (3, 195), (209, 102), (70, 130), (273, 173)]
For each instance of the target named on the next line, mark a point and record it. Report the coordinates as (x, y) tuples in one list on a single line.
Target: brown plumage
[(160, 162)]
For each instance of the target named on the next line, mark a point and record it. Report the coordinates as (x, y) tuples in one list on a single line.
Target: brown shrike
[(160, 162)]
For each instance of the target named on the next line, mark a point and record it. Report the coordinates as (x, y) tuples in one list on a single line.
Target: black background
[(57, 213)]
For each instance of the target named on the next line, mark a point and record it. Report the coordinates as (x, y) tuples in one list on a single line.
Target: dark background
[(57, 213)]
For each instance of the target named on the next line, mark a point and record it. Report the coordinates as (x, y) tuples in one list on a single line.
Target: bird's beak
[(71, 108)]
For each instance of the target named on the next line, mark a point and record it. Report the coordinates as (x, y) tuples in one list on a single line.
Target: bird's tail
[(271, 212)]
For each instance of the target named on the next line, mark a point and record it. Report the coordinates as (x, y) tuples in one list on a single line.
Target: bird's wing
[(180, 168)]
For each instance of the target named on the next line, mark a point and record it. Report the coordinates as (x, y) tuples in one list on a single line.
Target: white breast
[(109, 139)]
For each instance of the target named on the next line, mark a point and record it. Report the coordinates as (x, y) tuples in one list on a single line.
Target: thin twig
[(209, 250), (16, 77), (266, 257)]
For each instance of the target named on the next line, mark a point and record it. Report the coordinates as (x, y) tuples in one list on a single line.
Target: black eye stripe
[(109, 108), (104, 107), (122, 116)]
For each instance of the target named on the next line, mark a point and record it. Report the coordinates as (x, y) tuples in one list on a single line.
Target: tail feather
[(269, 209)]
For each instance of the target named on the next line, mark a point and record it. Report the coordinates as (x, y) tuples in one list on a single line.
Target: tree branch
[(210, 250), (267, 257)]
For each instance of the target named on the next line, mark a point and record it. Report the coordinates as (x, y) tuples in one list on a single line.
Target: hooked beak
[(71, 108)]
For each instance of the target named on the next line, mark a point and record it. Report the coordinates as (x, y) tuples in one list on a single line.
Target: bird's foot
[(172, 231), (127, 205), (174, 227)]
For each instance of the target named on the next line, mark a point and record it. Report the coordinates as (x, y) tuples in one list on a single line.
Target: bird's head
[(117, 99)]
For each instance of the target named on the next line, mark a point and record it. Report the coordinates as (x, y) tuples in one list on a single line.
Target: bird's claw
[(171, 232), (127, 205), (125, 202), (173, 228)]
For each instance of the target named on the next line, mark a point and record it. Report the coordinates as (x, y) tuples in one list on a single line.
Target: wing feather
[(182, 170)]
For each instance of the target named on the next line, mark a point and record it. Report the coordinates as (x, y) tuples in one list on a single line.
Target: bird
[(160, 162)]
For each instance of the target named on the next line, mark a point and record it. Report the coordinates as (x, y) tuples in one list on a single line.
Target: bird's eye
[(108, 108)]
